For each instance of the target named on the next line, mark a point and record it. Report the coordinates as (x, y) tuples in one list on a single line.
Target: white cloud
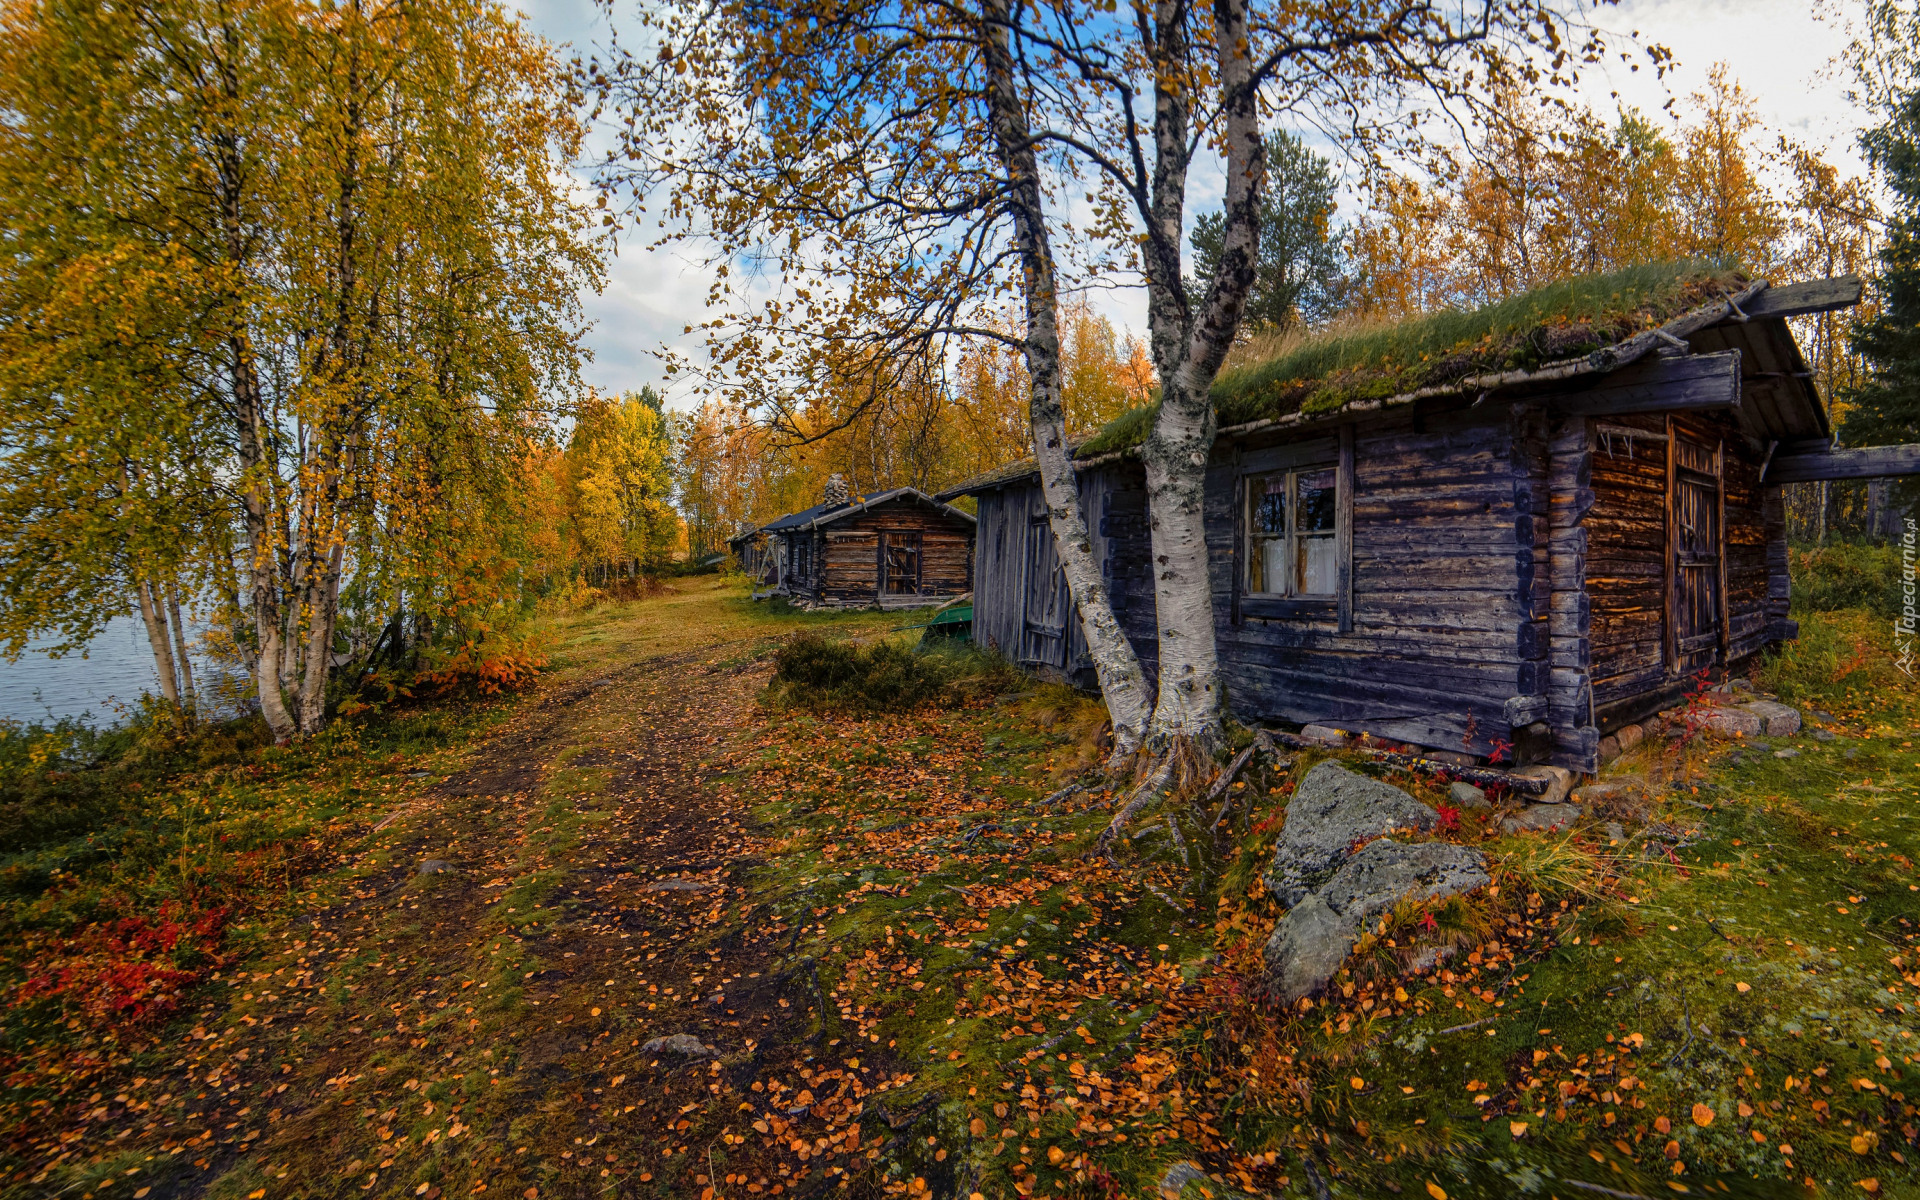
[(1781, 51)]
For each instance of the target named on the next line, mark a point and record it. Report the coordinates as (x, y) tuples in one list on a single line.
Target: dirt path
[(489, 1027)]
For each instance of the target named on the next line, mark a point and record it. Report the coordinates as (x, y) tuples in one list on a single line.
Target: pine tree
[(1886, 408), (1299, 278)]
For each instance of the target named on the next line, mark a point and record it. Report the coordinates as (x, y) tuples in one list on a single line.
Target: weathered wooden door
[(1046, 603), (899, 563), (1695, 612)]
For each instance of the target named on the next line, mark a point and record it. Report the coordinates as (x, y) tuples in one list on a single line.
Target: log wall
[(1634, 667), (1506, 581)]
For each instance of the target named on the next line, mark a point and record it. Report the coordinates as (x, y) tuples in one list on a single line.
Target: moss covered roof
[(1323, 374)]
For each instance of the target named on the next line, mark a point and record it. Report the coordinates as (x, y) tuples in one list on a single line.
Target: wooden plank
[(1871, 462), (1803, 299), (1692, 381), (1670, 644), (1720, 533), (1343, 529)]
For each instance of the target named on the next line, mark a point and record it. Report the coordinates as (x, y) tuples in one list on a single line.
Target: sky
[(1779, 50)]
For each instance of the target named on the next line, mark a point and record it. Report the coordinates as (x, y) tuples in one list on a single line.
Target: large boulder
[(1332, 810), (1315, 937)]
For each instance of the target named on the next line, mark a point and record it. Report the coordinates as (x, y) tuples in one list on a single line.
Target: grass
[(1043, 1023), (1325, 372), (1847, 574)]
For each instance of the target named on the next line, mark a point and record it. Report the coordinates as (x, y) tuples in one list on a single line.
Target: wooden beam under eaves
[(1804, 299), (1871, 462), (1678, 383)]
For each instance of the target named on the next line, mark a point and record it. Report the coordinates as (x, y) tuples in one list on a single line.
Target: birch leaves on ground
[(286, 285)]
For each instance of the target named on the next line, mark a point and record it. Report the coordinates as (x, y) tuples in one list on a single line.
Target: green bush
[(884, 676), (1846, 575), (881, 677)]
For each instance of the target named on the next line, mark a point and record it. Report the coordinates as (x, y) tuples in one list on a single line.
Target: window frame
[(1294, 459), (1290, 536)]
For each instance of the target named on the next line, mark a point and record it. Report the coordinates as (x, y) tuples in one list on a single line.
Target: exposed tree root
[(1262, 744), (1153, 789)]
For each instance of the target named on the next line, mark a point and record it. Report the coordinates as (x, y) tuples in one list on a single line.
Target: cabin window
[(1292, 547), (802, 567)]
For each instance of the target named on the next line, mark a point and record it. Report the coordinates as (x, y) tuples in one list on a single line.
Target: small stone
[(1616, 832), (1542, 818), (1596, 793), (1776, 720), (1789, 752), (1465, 795), (1630, 736), (1178, 1176), (1428, 957), (436, 866), (1609, 749), (1325, 735), (1332, 810), (1559, 783), (1853, 752), (1727, 722), (1739, 685), (678, 885), (1822, 735), (684, 1044)]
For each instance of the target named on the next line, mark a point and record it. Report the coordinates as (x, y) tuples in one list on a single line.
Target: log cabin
[(753, 555), (1541, 522), (895, 549)]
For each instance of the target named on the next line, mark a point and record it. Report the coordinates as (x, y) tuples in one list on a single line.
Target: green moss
[(1559, 321)]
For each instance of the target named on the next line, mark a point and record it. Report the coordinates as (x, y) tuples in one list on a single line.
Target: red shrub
[(124, 970)]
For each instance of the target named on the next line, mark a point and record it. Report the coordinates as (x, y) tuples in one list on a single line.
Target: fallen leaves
[(1703, 1115)]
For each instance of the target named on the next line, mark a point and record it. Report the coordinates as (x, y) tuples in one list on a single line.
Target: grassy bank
[(911, 979)]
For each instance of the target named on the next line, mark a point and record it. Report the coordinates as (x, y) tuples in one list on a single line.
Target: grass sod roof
[(1324, 373)]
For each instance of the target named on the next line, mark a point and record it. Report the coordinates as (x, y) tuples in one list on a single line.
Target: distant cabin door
[(1047, 605), (899, 563), (1696, 612)]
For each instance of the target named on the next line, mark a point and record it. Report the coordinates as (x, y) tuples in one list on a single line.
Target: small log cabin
[(894, 549), (1506, 561), (753, 555)]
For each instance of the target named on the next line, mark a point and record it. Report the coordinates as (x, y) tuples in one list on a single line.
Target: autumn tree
[(363, 263), (618, 485)]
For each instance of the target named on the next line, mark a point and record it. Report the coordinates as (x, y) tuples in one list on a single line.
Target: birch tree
[(877, 170), (374, 269)]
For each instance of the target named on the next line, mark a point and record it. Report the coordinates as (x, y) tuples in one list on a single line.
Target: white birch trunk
[(1188, 352), (187, 698), (1122, 683), (159, 641)]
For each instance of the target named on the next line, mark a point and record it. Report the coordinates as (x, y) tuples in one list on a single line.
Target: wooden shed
[(753, 554), (1503, 559), (894, 549)]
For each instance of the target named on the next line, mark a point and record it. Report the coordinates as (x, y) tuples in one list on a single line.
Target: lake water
[(117, 668)]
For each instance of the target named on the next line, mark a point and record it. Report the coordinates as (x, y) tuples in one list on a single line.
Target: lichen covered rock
[(1332, 810), (1315, 937)]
